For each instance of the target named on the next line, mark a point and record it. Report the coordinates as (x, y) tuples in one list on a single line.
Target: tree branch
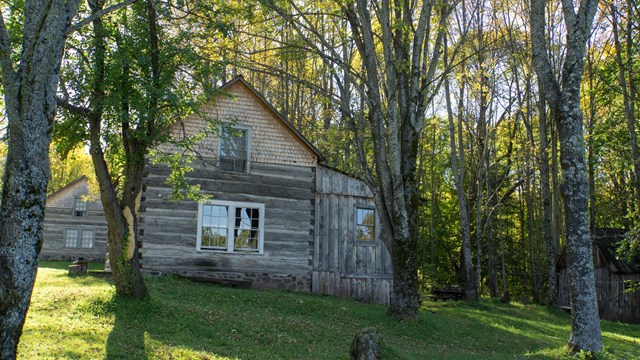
[(74, 109), (98, 14), (8, 73)]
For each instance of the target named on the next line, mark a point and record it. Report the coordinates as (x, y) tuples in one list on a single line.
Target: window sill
[(216, 251)]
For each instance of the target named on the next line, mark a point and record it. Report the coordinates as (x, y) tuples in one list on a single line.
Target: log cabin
[(613, 276), (74, 224), (276, 217)]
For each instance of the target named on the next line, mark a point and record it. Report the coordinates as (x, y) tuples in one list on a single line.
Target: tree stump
[(78, 268), (366, 345)]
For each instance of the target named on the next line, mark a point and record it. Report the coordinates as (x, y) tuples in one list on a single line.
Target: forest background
[(495, 146), (495, 101)]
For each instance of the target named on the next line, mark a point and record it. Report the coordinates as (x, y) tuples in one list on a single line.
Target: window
[(365, 224), (234, 149), (79, 238), (230, 227), (80, 207)]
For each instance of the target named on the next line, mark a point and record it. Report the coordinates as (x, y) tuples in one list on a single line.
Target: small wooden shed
[(349, 258), (613, 276), (74, 225)]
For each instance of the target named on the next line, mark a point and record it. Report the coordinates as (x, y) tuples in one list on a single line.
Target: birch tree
[(563, 97)]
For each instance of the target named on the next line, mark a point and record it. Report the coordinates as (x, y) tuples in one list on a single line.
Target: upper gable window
[(80, 207), (235, 148)]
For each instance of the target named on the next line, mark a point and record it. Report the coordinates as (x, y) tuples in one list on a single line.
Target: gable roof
[(69, 185), (605, 247), (296, 134), (607, 241)]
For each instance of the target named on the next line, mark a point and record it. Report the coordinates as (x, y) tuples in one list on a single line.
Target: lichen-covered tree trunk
[(405, 296), (29, 94), (585, 333), (564, 98)]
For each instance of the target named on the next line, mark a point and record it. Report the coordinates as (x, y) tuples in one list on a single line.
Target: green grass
[(81, 318)]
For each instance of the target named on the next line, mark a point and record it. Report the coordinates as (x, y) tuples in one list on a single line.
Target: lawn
[(81, 318)]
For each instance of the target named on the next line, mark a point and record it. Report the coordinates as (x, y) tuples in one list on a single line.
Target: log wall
[(343, 266), (169, 228), (59, 217)]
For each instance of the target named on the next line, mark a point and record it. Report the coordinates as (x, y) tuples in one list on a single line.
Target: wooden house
[(276, 218), (613, 276), (74, 225)]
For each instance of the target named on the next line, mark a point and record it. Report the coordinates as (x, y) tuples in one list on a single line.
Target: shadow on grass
[(127, 338), (185, 320), (198, 321), (64, 265)]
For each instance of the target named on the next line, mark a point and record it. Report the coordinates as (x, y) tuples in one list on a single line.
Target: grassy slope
[(81, 318)]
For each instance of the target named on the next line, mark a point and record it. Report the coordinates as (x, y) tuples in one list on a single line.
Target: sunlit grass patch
[(82, 318)]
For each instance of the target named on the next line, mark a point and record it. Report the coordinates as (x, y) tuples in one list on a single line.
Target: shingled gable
[(295, 133), (68, 186)]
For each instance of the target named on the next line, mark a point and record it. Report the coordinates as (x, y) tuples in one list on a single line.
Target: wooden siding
[(343, 266), (57, 220), (613, 303), (271, 141), (59, 217), (169, 228)]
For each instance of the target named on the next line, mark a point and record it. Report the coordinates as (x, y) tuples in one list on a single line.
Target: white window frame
[(231, 206), (357, 207), (80, 233), (248, 149)]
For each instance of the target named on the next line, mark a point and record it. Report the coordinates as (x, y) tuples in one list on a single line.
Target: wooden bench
[(565, 308), (447, 293)]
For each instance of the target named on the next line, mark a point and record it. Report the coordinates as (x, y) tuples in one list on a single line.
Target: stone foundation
[(298, 282)]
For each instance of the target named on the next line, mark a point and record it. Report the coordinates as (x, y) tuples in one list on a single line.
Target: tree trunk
[(575, 193), (564, 98), (505, 290), (405, 296), (122, 215), (458, 168), (29, 99), (528, 198), (550, 247), (628, 90)]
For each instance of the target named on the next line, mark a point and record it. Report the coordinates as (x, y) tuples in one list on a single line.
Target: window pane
[(233, 150), (365, 233), (365, 224), (366, 216), (214, 237), (71, 238), (80, 207), (246, 229), (87, 239), (214, 227)]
